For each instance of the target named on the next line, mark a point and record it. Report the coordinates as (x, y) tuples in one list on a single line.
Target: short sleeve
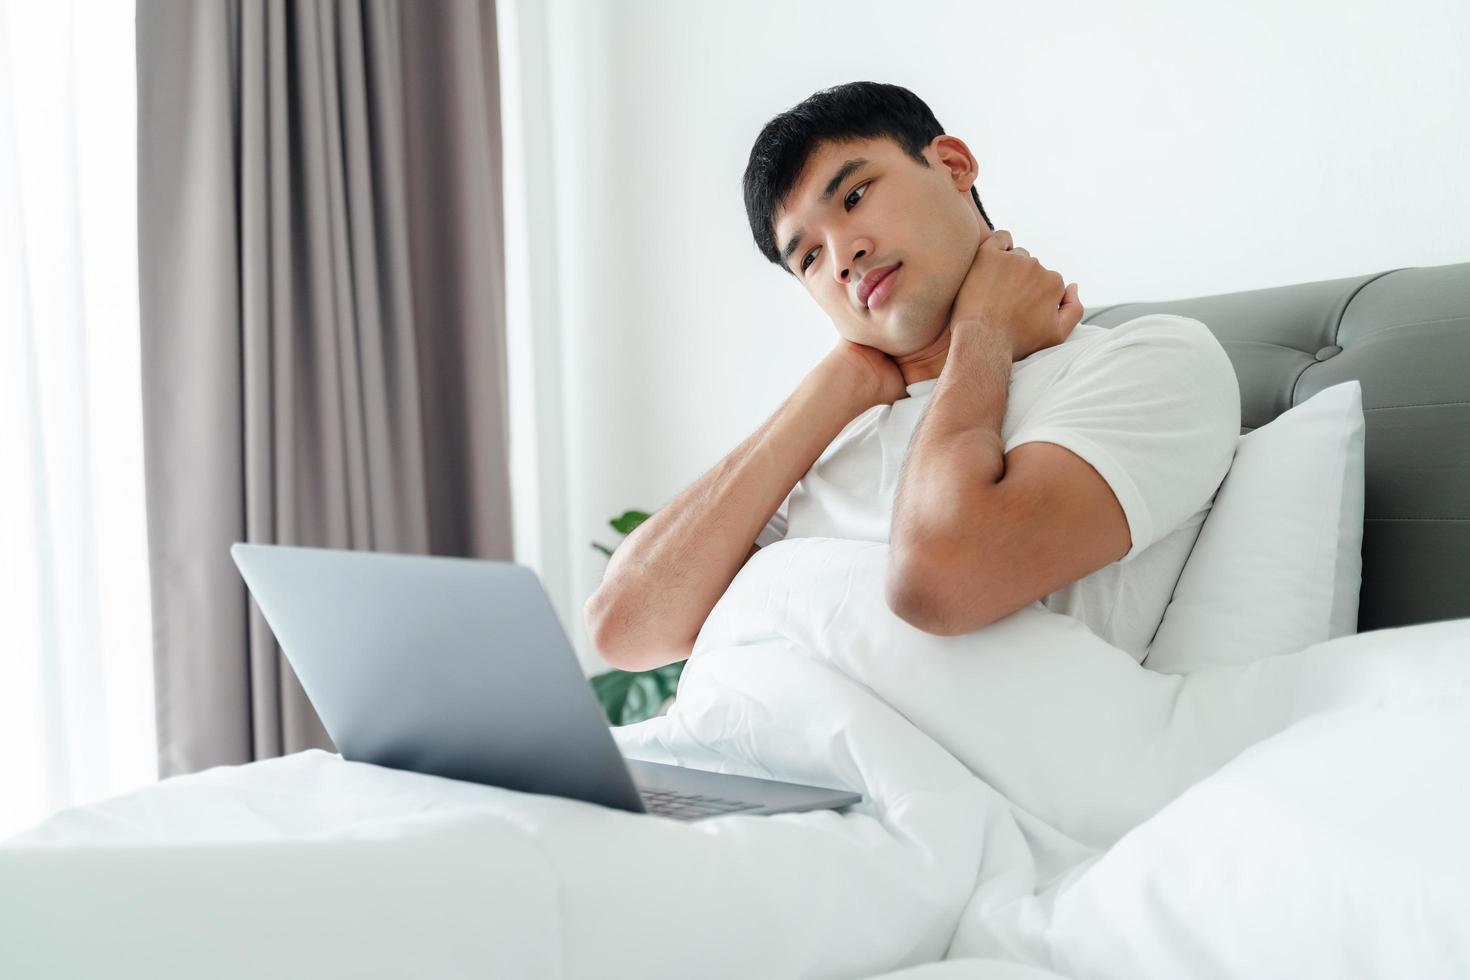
[(775, 528), (1154, 407)]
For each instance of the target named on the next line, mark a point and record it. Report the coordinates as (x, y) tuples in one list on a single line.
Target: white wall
[(1148, 150)]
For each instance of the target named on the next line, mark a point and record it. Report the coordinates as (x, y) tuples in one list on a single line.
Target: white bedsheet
[(1033, 796)]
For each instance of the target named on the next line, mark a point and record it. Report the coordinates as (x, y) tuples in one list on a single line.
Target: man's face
[(888, 211)]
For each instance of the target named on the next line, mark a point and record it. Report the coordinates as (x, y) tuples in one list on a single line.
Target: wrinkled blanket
[(1032, 796)]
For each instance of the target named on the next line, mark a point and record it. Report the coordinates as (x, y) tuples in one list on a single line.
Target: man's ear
[(955, 156)]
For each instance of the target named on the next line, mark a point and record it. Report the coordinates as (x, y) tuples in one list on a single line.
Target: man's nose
[(845, 274)]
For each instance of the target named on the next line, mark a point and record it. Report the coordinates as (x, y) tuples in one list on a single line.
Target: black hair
[(855, 110)]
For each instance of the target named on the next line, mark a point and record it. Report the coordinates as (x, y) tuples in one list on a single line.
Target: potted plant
[(629, 696)]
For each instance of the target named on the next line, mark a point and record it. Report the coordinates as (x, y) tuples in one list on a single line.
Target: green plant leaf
[(629, 696), (611, 689), (628, 520)]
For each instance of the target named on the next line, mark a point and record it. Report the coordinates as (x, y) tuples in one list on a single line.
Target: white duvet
[(1036, 804)]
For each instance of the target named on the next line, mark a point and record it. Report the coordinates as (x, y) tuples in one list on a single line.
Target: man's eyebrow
[(843, 172)]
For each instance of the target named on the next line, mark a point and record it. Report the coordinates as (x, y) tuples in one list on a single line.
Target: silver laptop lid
[(452, 666)]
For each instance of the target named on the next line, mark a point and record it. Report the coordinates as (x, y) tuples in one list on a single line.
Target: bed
[(1036, 804)]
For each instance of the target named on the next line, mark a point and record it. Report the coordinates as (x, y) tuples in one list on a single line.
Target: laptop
[(458, 667)]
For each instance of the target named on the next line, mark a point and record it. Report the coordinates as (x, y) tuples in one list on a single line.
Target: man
[(1008, 454)]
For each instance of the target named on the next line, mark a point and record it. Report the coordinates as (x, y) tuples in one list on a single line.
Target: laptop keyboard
[(690, 806)]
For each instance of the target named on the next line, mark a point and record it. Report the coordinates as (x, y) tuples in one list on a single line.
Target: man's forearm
[(666, 576), (956, 453)]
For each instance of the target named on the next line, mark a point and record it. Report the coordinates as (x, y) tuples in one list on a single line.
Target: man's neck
[(927, 363)]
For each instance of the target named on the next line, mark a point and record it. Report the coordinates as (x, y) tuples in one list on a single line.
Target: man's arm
[(978, 534), (666, 576)]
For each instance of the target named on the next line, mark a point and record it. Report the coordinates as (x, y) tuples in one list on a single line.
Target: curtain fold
[(76, 685), (323, 321)]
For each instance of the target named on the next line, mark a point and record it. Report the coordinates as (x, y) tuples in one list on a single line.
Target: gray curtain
[(323, 322)]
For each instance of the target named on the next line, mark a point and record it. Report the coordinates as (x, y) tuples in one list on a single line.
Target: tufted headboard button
[(1401, 333)]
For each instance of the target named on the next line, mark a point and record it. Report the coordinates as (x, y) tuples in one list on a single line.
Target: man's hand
[(866, 373), (1014, 292)]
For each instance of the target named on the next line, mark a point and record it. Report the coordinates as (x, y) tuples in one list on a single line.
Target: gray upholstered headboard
[(1405, 335)]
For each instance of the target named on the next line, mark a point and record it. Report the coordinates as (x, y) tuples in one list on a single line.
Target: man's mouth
[(876, 285)]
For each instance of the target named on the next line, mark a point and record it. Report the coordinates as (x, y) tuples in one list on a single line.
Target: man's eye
[(861, 187)]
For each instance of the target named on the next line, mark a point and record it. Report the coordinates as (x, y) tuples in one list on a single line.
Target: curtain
[(76, 685), (323, 323)]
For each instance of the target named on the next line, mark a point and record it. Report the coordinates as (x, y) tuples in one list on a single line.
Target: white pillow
[(1334, 849), (1278, 563)]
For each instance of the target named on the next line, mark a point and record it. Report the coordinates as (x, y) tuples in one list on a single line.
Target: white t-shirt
[(1152, 404)]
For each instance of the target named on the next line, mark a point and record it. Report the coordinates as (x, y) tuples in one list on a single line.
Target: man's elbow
[(911, 599), (916, 616), (624, 648), (925, 598), (602, 635)]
